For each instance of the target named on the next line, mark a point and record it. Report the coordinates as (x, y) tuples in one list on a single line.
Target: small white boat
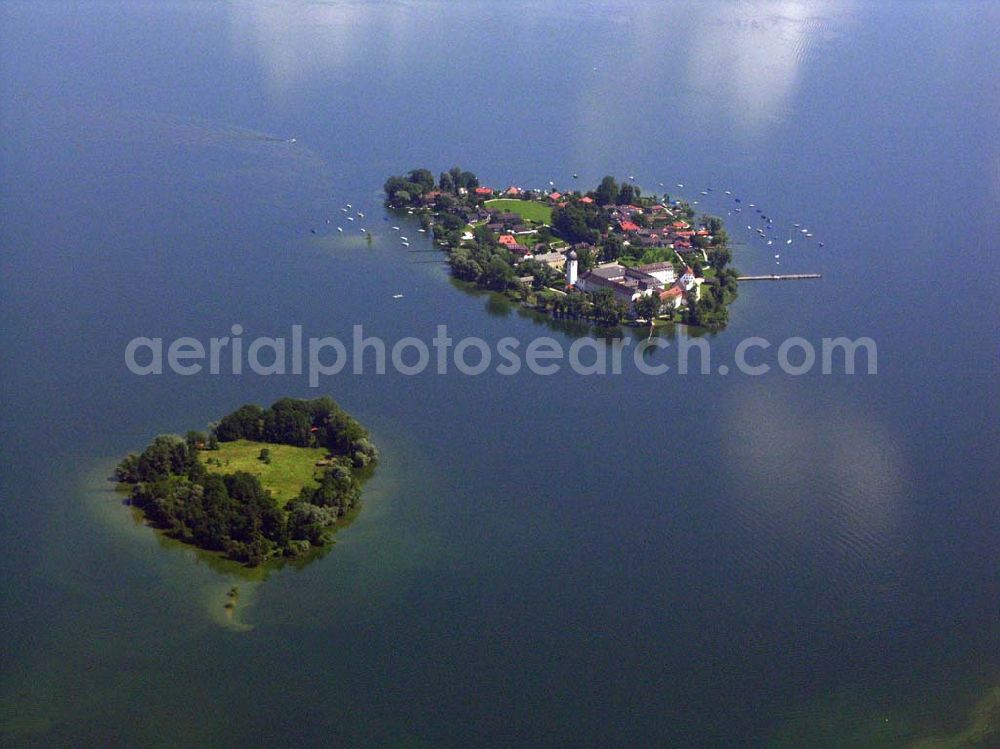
[(360, 214), (397, 296), (344, 210), (776, 257), (422, 231), (809, 236), (349, 205), (406, 244), (350, 218), (340, 230), (679, 184), (788, 242), (396, 228), (728, 192), (405, 239)]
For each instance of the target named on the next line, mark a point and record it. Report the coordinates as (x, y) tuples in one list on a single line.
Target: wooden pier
[(776, 277)]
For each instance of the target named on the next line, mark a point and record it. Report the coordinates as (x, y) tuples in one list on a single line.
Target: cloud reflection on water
[(841, 479)]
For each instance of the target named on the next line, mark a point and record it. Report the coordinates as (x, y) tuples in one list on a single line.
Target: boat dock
[(776, 277)]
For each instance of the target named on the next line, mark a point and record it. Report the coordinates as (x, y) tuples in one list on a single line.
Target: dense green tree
[(571, 223), (246, 422), (606, 308), (446, 182), (423, 178), (607, 191), (647, 307), (498, 275), (719, 258), (468, 180), (586, 259)]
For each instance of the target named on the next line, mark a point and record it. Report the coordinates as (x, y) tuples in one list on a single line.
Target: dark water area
[(562, 560)]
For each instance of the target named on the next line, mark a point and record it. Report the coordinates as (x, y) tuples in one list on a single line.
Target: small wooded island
[(605, 255), (262, 484)]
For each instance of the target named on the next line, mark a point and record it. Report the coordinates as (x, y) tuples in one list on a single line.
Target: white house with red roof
[(676, 295)]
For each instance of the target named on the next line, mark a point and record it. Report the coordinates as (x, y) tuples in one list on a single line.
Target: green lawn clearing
[(290, 468), (529, 210)]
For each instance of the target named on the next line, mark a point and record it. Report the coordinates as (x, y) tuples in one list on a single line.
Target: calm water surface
[(542, 561)]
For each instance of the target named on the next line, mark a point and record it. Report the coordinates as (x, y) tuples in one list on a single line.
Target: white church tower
[(571, 268)]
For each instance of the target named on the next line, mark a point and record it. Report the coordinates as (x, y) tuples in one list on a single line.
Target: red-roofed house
[(507, 239), (676, 294), (586, 199), (555, 195), (513, 191), (628, 226), (483, 191)]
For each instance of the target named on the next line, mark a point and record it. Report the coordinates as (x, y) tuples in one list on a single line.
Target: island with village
[(609, 255)]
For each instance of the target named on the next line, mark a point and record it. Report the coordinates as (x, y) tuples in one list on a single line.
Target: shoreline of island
[(261, 486), (607, 256)]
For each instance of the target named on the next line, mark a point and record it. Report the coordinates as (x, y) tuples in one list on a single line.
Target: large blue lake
[(542, 561)]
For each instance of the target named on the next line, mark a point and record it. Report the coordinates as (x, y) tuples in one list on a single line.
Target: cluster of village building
[(659, 227)]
